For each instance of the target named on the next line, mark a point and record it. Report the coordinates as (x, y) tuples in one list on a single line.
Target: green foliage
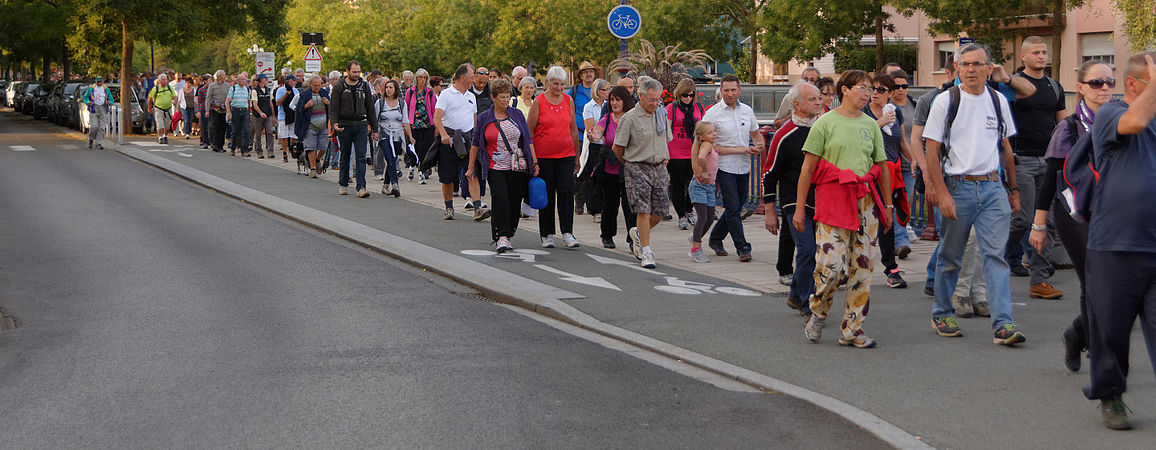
[(806, 30), (987, 21), (665, 63), (863, 58), (1139, 22)]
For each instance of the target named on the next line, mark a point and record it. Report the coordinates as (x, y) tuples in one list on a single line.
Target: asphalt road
[(158, 314)]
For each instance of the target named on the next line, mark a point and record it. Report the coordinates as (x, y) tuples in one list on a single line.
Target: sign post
[(313, 59), (265, 63), (624, 21)]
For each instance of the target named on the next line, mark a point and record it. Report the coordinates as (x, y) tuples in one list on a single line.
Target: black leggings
[(681, 173), (1074, 236), (613, 195), (705, 218), (423, 138), (558, 173), (786, 244), (507, 188)]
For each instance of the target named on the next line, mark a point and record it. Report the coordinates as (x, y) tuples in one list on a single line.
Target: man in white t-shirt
[(738, 139), (454, 115), (281, 99), (969, 191)]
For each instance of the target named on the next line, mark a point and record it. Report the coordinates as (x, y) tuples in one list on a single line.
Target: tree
[(33, 30), (810, 30), (748, 16), (1139, 22)]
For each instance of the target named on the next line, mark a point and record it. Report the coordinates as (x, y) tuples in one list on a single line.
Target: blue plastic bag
[(538, 198)]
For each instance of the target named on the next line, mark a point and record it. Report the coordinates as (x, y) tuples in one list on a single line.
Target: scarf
[(688, 121), (1085, 114), (799, 121)]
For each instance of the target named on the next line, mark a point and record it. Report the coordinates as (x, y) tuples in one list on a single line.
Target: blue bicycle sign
[(624, 21)]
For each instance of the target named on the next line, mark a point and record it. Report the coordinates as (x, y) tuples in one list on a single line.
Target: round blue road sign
[(624, 21)]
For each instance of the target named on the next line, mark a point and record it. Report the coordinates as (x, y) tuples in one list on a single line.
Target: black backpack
[(289, 115), (953, 110)]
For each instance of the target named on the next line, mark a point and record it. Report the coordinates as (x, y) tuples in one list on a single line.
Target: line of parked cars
[(60, 102)]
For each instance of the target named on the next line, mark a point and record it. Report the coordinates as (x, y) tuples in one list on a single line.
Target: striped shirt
[(239, 97)]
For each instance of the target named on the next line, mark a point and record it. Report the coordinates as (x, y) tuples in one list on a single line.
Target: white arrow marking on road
[(567, 276), (186, 155), (149, 144), (21, 148), (605, 260)]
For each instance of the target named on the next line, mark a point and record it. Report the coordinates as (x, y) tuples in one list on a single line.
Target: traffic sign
[(624, 21), (313, 59), (265, 63)]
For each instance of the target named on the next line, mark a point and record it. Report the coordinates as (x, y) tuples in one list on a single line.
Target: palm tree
[(665, 63)]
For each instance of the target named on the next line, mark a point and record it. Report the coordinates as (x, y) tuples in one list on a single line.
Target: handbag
[(513, 156)]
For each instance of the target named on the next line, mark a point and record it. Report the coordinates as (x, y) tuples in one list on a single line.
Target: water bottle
[(890, 107)]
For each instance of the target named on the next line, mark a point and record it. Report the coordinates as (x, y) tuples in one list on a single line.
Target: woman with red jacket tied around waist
[(845, 157)]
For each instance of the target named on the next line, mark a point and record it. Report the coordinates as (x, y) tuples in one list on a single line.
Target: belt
[(994, 176), (646, 163), (238, 109)]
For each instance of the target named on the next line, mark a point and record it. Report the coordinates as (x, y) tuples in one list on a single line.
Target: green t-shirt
[(162, 99), (848, 143)]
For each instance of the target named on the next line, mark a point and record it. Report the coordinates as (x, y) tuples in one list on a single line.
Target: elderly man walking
[(97, 99), (238, 114), (640, 141), (738, 139), (160, 100)]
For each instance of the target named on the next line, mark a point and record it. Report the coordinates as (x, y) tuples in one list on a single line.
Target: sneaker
[(946, 327), (648, 260), (698, 256), (608, 243), (597, 218), (99, 147), (929, 289), (797, 305), (90, 144), (312, 173), (785, 280), (981, 309), (745, 257), (1071, 350), (260, 156), (814, 329), (1019, 271), (895, 281), (469, 203), (962, 307), (568, 240), (449, 215), (860, 341), (504, 245), (690, 218), (746, 213), (481, 214), (1115, 413), (342, 190), (395, 190), (548, 241), (284, 158), (379, 177), (683, 224), (635, 242), (1008, 334), (718, 248), (667, 217), (902, 252), (421, 178), (362, 193), (411, 174), (1046, 291), (385, 189)]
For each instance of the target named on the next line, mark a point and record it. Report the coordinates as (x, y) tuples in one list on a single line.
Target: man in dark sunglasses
[(1036, 116)]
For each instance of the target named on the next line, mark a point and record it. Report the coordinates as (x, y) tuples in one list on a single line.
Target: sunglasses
[(881, 90), (687, 95), (1100, 82), (901, 86), (482, 73)]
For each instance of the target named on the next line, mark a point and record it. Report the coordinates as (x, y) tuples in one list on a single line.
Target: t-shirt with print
[(318, 114), (502, 157), (848, 143), (1035, 116), (974, 134), (1121, 218), (638, 134)]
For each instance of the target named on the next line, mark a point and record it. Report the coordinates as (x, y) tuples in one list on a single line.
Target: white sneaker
[(785, 280), (548, 241), (569, 241), (379, 177), (420, 178), (648, 260), (342, 190), (635, 243), (504, 245)]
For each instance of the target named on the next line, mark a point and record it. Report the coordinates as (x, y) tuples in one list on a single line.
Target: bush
[(863, 58)]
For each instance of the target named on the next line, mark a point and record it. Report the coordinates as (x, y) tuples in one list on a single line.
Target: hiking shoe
[(1008, 334), (902, 252), (946, 327), (1019, 271), (962, 307), (1115, 413), (814, 329), (683, 224), (635, 243), (745, 257), (796, 305), (385, 189), (597, 218), (568, 240), (395, 190), (1046, 291), (981, 309), (608, 243), (260, 156), (929, 289), (362, 193), (379, 177), (1072, 350), (449, 215), (860, 341), (895, 281), (785, 280), (718, 248), (648, 260), (481, 214), (548, 241), (342, 190), (312, 173), (698, 256), (504, 245)]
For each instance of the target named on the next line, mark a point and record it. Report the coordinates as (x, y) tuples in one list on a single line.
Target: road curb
[(515, 290)]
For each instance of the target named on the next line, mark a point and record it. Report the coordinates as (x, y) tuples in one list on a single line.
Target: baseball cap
[(262, 77), (290, 77), (99, 78)]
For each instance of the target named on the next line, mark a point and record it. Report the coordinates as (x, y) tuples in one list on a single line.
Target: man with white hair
[(640, 142), (406, 80), (217, 102), (519, 73), (160, 104)]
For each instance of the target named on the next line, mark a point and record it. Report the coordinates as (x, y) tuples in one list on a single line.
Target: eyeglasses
[(901, 86), (863, 88), (881, 90), (1100, 82), (687, 95), (975, 64), (828, 94)]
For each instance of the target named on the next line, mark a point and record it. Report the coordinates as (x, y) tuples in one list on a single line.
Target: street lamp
[(254, 50)]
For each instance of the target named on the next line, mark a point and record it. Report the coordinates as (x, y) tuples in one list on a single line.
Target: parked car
[(60, 102), (10, 93), (73, 106), (43, 98), (25, 96), (3, 92), (138, 121)]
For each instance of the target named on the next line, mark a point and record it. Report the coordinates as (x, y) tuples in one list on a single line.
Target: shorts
[(315, 140), (647, 188), (449, 164), (284, 131), (702, 194), (164, 119)]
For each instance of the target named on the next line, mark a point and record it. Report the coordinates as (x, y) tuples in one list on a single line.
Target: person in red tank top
[(555, 136)]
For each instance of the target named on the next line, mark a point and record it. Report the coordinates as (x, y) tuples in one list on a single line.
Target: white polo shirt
[(734, 127), (459, 108)]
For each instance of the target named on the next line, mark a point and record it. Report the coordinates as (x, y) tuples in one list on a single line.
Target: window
[(1097, 46), (944, 51)]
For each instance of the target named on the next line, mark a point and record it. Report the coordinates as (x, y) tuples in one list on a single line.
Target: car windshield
[(70, 88), (31, 88)]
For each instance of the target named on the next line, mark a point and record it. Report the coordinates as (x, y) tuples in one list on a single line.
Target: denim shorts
[(702, 194)]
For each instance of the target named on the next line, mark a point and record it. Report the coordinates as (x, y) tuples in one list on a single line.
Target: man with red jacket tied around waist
[(844, 158)]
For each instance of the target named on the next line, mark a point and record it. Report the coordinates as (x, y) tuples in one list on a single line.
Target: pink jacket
[(411, 103)]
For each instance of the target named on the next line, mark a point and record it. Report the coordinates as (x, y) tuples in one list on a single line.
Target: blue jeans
[(734, 193), (934, 253), (187, 116), (387, 150), (803, 281), (353, 139), (983, 204), (901, 238), (240, 124)]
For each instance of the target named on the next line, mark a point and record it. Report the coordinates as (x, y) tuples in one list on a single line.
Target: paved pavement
[(155, 313), (962, 392)]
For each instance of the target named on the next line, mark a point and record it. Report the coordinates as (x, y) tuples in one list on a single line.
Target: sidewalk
[(960, 392)]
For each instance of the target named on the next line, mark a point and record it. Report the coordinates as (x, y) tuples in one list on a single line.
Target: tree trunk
[(879, 40), (1057, 36), (46, 73), (125, 78), (66, 62), (754, 76)]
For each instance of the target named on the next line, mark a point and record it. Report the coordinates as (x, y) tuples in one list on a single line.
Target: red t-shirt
[(552, 138)]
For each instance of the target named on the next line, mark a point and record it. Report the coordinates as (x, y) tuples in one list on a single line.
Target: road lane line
[(21, 148)]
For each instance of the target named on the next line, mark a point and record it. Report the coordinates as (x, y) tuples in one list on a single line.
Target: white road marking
[(149, 144), (68, 146), (22, 148), (186, 155), (605, 260), (567, 276)]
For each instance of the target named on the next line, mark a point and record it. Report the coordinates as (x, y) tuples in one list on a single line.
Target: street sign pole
[(624, 23)]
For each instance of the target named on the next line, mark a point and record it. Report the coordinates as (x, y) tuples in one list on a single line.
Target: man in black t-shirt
[(1036, 116), (264, 121)]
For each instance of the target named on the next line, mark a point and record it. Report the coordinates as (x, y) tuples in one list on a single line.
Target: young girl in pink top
[(704, 161)]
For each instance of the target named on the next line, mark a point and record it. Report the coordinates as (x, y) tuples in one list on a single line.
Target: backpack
[(290, 116), (1080, 178), (953, 110)]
